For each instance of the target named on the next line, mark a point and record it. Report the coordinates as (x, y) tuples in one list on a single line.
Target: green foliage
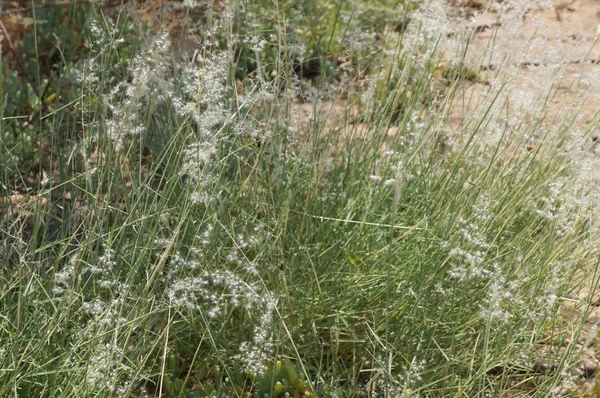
[(175, 387), (318, 34), (183, 235), (280, 379), (35, 90)]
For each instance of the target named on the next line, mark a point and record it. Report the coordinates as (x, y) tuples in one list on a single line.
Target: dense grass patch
[(169, 228)]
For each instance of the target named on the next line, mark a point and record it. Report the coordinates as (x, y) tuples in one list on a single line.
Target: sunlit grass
[(188, 236)]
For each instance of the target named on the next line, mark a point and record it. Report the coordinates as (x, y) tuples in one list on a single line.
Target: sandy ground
[(538, 43), (548, 51)]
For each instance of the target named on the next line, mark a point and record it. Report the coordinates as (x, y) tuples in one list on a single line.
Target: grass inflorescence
[(268, 200)]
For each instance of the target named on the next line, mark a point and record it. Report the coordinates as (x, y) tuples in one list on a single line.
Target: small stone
[(589, 370), (540, 367)]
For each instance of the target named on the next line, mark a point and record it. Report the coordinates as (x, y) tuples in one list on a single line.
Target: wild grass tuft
[(282, 211)]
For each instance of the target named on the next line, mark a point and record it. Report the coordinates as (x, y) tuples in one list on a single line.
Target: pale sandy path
[(537, 42)]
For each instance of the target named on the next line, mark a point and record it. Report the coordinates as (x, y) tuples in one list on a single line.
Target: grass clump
[(190, 233)]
